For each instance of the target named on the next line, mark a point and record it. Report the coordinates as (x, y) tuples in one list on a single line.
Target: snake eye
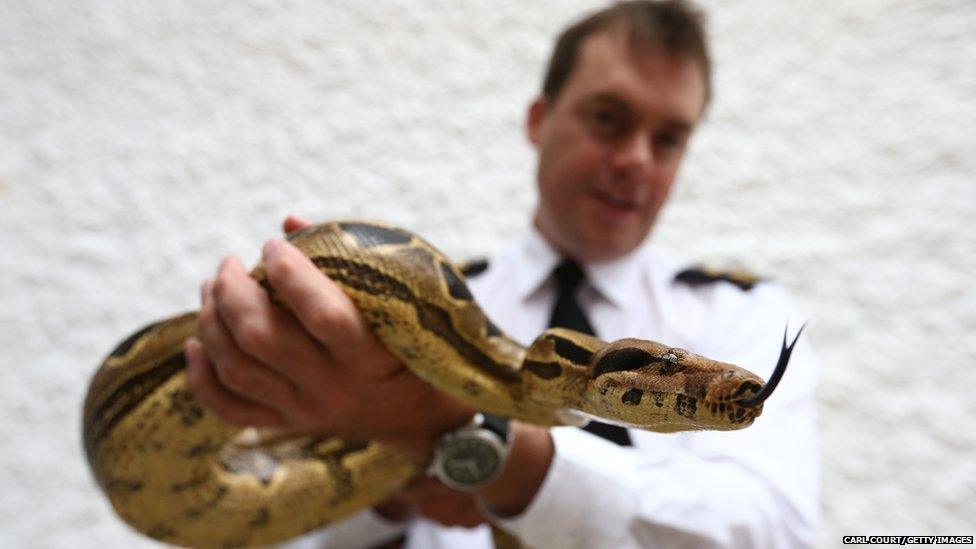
[(669, 363)]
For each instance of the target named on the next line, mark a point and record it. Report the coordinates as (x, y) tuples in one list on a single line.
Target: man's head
[(624, 90)]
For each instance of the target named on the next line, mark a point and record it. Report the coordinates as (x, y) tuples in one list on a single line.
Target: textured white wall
[(141, 140)]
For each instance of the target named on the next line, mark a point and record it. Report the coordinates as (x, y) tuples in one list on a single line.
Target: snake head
[(649, 385)]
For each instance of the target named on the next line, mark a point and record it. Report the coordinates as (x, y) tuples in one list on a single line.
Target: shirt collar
[(538, 259), (612, 279), (615, 280)]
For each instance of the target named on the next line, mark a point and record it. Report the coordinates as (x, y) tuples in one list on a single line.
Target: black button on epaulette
[(699, 275), (473, 268)]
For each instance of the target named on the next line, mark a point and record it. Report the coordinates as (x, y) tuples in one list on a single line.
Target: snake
[(175, 472)]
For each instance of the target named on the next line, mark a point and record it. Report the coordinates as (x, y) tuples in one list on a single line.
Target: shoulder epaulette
[(700, 274), (473, 267)]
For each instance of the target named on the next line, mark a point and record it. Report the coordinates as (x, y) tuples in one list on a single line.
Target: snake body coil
[(178, 474)]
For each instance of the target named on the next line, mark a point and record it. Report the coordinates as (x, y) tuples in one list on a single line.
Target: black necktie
[(566, 313)]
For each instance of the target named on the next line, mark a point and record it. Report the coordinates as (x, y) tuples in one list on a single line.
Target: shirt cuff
[(574, 491)]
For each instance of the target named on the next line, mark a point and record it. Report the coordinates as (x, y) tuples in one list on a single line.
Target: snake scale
[(176, 473)]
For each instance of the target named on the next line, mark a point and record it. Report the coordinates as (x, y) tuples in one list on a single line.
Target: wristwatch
[(470, 457)]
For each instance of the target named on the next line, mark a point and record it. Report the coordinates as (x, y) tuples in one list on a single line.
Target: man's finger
[(210, 394), (262, 331), (320, 305), (294, 223), (234, 369)]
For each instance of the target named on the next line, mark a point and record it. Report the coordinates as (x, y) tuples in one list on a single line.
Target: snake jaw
[(724, 397)]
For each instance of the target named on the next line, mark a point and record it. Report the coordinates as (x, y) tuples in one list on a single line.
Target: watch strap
[(495, 424)]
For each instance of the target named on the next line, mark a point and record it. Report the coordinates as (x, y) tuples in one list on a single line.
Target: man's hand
[(315, 369), (432, 500), (319, 369)]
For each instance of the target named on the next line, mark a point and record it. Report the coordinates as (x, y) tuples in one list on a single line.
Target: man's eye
[(606, 124), (605, 118), (668, 141)]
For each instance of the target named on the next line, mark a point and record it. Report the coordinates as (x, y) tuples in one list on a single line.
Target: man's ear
[(534, 118)]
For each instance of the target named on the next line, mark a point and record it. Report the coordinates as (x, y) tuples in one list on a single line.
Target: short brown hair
[(673, 27)]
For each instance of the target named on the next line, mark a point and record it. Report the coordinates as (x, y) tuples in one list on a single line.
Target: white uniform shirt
[(751, 488)]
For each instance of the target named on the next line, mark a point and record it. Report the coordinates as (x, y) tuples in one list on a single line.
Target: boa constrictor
[(178, 474)]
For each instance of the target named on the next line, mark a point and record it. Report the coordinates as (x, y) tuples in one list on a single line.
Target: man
[(624, 91)]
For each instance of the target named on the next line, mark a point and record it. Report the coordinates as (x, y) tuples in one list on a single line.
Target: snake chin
[(731, 414)]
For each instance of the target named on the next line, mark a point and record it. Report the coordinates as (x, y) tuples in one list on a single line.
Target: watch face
[(471, 461)]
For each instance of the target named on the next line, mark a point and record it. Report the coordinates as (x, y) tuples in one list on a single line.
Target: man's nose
[(635, 155)]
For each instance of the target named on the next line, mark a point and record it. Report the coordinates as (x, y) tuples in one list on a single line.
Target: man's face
[(610, 146)]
